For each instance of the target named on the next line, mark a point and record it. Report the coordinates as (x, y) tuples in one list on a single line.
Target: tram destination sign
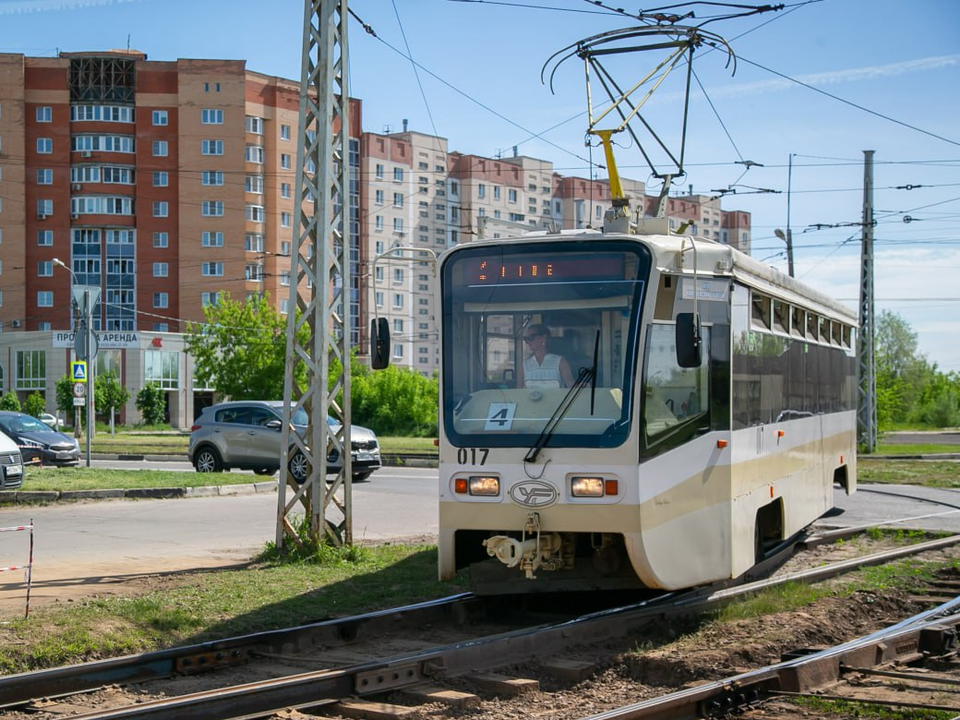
[(112, 340)]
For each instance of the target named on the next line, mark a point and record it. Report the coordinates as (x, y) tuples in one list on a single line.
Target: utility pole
[(866, 369), (320, 269), (789, 239)]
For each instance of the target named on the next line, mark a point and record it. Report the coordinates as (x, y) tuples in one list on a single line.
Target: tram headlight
[(593, 486), (484, 485), (586, 486)]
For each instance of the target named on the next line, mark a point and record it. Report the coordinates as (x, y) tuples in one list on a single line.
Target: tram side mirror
[(379, 343), (689, 345)]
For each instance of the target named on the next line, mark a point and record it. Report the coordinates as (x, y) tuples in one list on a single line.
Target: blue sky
[(890, 69)]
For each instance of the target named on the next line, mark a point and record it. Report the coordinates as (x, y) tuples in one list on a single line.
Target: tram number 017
[(472, 456)]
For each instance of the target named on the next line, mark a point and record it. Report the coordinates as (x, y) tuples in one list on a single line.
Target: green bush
[(35, 405), (10, 402)]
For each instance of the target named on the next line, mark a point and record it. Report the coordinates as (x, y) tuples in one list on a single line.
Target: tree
[(110, 394), (152, 404), (35, 405), (64, 389), (10, 402), (241, 349)]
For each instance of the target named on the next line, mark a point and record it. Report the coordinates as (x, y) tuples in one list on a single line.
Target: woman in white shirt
[(542, 368)]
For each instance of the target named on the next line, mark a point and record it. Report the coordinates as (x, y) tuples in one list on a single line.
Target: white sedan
[(51, 421)]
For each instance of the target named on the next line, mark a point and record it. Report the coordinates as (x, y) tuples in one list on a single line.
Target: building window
[(285, 190), (161, 269), (209, 116), (254, 242), (398, 300), (285, 161), (45, 237), (161, 178), (160, 117), (211, 147), (481, 190), (254, 125), (44, 268), (398, 199), (398, 350), (378, 299), (398, 174), (44, 114), (511, 195), (253, 154), (208, 298), (161, 327), (161, 300), (211, 269), (31, 371), (379, 171), (285, 279), (44, 208), (45, 298), (160, 148), (254, 184), (211, 178), (284, 132), (44, 146), (211, 208), (398, 275), (211, 239), (161, 208), (398, 225), (255, 213), (253, 272), (45, 176), (378, 197), (162, 368), (285, 219), (161, 240)]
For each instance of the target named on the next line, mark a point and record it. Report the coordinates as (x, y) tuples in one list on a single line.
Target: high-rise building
[(164, 184)]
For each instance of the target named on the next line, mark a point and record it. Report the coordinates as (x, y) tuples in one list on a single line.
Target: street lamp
[(85, 343), (788, 239)]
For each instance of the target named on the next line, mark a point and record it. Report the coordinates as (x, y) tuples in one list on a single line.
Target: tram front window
[(519, 324)]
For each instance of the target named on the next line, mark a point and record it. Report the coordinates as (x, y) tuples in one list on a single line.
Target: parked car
[(38, 441), (11, 464), (51, 421), (246, 434)]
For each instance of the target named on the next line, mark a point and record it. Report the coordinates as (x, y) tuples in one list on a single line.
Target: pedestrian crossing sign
[(79, 368)]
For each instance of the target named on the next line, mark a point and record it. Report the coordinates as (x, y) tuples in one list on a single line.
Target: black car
[(37, 441)]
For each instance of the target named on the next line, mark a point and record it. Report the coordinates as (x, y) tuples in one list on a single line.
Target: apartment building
[(164, 184)]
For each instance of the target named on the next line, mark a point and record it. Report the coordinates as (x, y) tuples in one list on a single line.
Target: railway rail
[(365, 656)]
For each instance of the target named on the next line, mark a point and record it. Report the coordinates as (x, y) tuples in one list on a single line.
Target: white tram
[(714, 409)]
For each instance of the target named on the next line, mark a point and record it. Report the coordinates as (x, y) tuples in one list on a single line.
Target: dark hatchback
[(37, 441)]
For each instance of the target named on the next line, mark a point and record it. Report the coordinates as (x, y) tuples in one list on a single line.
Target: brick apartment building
[(169, 183)]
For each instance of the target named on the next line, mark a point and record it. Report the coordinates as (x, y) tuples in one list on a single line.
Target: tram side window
[(672, 394)]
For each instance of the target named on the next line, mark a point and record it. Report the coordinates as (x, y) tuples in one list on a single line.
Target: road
[(90, 548), (83, 549)]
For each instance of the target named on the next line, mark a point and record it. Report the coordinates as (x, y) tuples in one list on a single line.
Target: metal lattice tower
[(866, 370), (318, 322)]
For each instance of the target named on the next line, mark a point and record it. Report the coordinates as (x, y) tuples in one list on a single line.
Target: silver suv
[(245, 434)]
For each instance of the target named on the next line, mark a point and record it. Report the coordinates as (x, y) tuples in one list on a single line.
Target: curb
[(140, 493)]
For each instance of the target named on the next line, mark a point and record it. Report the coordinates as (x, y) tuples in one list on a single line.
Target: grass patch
[(84, 478), (223, 604), (929, 473), (140, 442), (865, 710)]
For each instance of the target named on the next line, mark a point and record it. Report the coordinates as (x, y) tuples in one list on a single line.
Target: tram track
[(364, 656)]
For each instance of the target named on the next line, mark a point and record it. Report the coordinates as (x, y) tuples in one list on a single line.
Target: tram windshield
[(522, 322)]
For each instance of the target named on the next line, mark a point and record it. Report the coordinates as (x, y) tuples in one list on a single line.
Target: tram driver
[(542, 368)]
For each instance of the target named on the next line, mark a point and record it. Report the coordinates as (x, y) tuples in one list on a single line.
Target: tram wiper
[(585, 376)]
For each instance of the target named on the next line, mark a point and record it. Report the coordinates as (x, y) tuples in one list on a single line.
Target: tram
[(709, 410)]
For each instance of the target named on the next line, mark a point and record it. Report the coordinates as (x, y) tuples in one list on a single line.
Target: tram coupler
[(533, 551)]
